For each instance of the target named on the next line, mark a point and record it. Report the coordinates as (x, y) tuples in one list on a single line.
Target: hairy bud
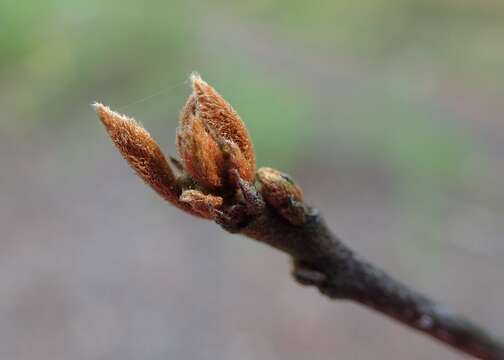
[(203, 204), (210, 131), (142, 152), (282, 193), (217, 166)]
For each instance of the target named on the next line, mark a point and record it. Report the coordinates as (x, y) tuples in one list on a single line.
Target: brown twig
[(216, 181), (322, 260)]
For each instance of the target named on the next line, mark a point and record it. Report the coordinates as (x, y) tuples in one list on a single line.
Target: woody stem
[(339, 273)]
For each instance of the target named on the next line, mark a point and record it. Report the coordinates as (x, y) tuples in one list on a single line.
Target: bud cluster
[(217, 168)]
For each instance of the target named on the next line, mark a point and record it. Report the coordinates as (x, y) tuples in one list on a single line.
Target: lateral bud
[(283, 194)]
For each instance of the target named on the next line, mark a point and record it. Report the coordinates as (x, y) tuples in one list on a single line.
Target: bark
[(321, 259)]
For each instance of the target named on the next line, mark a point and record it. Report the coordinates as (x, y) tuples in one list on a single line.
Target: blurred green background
[(389, 113)]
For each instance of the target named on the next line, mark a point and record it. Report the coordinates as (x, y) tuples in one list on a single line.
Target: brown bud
[(209, 127), (141, 152), (202, 204), (282, 193)]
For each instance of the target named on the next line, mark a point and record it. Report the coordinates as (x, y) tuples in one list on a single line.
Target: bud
[(202, 204), (211, 131), (282, 193), (142, 152)]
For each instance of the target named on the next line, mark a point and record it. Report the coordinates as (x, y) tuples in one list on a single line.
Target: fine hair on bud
[(207, 123), (141, 152)]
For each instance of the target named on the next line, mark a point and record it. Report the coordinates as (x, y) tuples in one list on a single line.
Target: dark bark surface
[(321, 259)]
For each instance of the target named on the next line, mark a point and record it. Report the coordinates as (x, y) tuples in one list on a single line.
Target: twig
[(217, 180), (322, 260)]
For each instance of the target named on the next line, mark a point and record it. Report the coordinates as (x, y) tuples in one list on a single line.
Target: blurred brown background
[(389, 113)]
